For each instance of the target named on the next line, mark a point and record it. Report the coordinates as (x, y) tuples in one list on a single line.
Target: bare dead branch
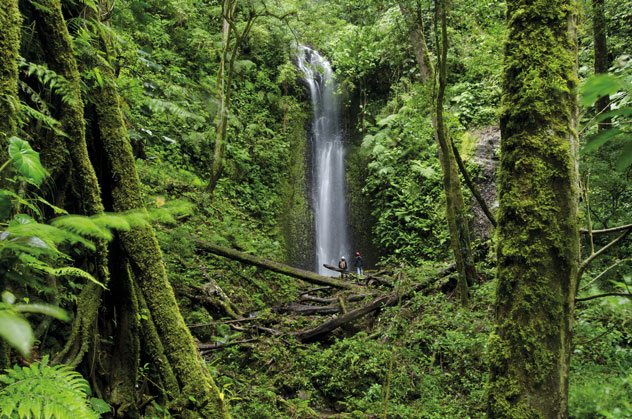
[(608, 294)]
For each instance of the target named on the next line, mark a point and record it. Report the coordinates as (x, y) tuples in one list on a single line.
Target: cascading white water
[(328, 175)]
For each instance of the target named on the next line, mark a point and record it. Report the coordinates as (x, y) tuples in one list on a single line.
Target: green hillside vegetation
[(112, 200)]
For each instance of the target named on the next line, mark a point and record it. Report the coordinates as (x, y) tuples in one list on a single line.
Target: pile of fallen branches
[(343, 301)]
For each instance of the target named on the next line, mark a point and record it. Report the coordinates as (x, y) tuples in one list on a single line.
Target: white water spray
[(328, 175)]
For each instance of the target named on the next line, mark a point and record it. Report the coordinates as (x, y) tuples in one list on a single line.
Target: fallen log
[(366, 278), (314, 290), (274, 266), (356, 297), (386, 301), (334, 323), (306, 309), (207, 347)]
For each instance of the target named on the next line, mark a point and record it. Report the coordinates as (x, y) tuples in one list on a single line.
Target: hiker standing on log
[(359, 265), (342, 265)]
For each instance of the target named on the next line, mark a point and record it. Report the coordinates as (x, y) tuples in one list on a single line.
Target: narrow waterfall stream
[(328, 174)]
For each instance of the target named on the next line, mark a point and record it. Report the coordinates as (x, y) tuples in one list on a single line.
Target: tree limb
[(595, 255), (274, 266), (470, 184), (607, 230), (608, 294)]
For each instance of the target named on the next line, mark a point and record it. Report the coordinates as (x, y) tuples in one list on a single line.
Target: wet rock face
[(486, 156)]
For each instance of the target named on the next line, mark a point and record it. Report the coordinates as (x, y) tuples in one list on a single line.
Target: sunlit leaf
[(26, 160), (600, 85), (46, 309), (16, 331)]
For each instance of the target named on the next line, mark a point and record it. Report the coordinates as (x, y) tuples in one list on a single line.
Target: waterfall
[(328, 175)]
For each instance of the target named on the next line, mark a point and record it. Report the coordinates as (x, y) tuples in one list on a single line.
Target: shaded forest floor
[(421, 358)]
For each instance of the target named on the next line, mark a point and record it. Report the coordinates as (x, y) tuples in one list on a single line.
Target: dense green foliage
[(42, 390), (425, 357)]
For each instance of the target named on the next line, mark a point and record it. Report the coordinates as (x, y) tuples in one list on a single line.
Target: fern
[(52, 80), (44, 391)]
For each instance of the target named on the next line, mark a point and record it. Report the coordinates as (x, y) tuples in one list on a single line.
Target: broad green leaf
[(100, 406), (46, 309), (600, 139), (16, 331), (600, 85), (5, 205), (26, 160)]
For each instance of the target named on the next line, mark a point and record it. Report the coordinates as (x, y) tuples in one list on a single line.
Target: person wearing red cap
[(359, 264)]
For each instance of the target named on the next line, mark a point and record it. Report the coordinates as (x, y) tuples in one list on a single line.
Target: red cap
[(357, 253)]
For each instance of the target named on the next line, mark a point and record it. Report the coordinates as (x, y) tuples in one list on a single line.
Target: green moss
[(538, 250), (296, 220), (9, 51)]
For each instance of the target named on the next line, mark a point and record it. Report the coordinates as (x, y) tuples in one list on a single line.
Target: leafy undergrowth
[(424, 358)]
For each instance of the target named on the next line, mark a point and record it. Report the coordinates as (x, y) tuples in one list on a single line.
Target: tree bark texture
[(57, 44), (10, 21), (601, 56), (418, 43), (200, 395), (538, 233), (58, 152)]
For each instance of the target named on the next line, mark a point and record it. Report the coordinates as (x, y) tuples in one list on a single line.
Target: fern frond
[(84, 226), (162, 106), (52, 80), (41, 390), (34, 114)]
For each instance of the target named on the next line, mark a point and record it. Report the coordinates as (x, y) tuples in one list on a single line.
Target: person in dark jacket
[(359, 264), (342, 265)]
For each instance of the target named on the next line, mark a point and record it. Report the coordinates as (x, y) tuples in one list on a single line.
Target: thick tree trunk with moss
[(199, 394), (9, 52), (60, 56), (538, 236)]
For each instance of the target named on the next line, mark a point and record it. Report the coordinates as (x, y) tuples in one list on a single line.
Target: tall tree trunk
[(60, 56), (457, 217), (224, 82), (538, 236), (10, 21), (57, 45), (601, 56), (199, 394), (455, 205)]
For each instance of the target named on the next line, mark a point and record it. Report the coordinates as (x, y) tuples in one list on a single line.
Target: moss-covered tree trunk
[(199, 394), (538, 239), (10, 21), (57, 45)]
